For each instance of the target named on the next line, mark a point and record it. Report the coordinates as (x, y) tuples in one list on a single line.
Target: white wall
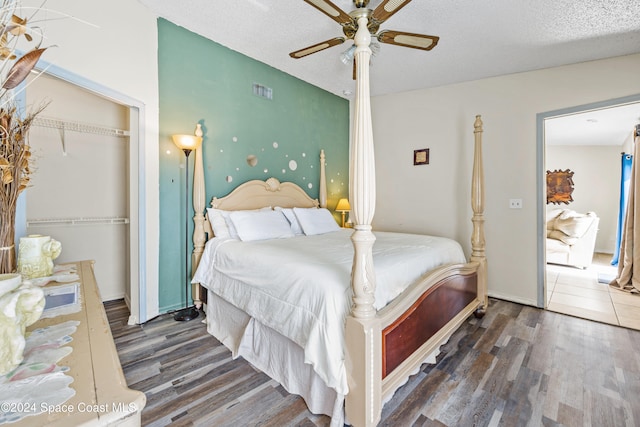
[(114, 44), (436, 197), (596, 181)]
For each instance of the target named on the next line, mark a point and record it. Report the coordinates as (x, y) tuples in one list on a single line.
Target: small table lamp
[(344, 207), (187, 143)]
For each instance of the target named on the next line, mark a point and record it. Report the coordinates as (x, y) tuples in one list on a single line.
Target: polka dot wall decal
[(331, 180), (266, 171), (293, 165), (229, 178), (284, 171), (221, 150), (304, 154), (310, 185), (234, 139), (237, 169), (168, 151), (252, 160), (275, 145)]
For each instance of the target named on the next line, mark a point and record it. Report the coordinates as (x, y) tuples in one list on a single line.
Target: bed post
[(199, 237), (322, 197), (477, 204), (363, 335)]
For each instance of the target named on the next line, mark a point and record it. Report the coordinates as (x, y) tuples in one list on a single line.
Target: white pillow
[(222, 225), (261, 225), (218, 224), (291, 217), (316, 221)]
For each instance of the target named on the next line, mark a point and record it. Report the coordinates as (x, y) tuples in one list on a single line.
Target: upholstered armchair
[(571, 237)]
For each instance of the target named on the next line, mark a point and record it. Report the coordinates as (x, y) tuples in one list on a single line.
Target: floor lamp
[(187, 143)]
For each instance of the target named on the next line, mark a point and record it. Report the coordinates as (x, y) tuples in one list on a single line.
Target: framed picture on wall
[(421, 157), (559, 186)]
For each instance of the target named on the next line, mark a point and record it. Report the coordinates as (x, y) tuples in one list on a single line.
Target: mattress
[(300, 286)]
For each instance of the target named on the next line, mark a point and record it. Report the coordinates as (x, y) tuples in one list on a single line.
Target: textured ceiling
[(605, 126), (478, 39)]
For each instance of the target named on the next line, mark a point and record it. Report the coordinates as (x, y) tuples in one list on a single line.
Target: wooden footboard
[(416, 323), (429, 314)]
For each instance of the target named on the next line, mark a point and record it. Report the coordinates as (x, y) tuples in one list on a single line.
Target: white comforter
[(300, 286)]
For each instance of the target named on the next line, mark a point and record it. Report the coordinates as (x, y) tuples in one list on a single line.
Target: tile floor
[(577, 292)]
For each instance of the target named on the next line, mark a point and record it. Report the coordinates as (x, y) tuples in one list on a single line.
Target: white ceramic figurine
[(36, 255)]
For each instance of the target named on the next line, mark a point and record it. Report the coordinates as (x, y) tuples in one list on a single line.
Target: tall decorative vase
[(7, 239), (15, 152)]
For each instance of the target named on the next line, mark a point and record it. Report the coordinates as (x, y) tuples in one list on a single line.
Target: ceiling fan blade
[(386, 9), (331, 10), (317, 47), (412, 40)]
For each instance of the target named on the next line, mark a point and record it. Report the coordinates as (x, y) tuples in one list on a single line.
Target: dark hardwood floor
[(519, 366)]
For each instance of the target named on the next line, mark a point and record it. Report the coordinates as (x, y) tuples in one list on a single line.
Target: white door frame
[(542, 182), (137, 194)]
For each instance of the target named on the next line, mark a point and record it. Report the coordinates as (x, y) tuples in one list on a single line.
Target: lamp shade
[(187, 142), (343, 205)]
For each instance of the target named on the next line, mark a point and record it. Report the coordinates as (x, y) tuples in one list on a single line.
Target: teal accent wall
[(203, 82)]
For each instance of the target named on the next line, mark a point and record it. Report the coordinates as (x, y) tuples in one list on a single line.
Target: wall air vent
[(262, 91)]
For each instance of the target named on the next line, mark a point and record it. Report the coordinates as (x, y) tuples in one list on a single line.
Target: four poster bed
[(377, 312)]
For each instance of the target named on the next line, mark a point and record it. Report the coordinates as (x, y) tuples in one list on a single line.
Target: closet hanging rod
[(50, 122), (77, 221)]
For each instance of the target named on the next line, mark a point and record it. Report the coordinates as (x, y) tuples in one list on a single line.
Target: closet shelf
[(64, 125), (76, 221)]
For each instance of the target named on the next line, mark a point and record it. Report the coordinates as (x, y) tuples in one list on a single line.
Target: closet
[(79, 192)]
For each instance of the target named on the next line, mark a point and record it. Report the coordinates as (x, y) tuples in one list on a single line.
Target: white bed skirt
[(278, 357), (275, 355)]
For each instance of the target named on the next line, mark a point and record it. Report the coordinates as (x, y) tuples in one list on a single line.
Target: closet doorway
[(81, 186), (588, 140)]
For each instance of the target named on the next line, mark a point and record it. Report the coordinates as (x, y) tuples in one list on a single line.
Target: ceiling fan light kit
[(372, 19)]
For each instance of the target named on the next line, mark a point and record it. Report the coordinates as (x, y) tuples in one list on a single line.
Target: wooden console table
[(102, 396)]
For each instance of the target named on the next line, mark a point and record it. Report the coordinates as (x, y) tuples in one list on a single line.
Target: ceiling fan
[(349, 23)]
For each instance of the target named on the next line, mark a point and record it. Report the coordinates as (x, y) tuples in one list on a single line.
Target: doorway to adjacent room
[(588, 140)]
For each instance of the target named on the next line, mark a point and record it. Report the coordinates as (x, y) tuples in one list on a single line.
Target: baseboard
[(511, 298), (133, 320)]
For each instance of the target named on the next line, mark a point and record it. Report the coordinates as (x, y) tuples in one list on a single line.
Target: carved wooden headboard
[(258, 194)]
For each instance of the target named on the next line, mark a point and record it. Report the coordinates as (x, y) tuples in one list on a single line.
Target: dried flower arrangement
[(15, 153)]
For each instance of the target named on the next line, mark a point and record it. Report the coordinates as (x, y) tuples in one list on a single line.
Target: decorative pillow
[(552, 215), (575, 226), (316, 221), (559, 235), (261, 225), (291, 217), (218, 223), (222, 225)]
